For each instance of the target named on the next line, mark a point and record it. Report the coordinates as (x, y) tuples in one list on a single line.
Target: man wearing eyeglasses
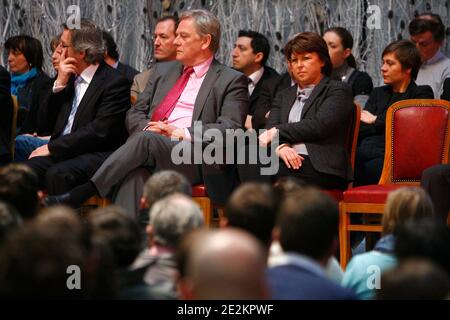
[(428, 32), (88, 104)]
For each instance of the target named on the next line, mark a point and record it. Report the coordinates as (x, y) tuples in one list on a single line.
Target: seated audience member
[(164, 50), (35, 262), (268, 92), (401, 62), (163, 120), (170, 220), (415, 279), (428, 33), (424, 239), (112, 227), (250, 54), (112, 58), (158, 185), (402, 205), (91, 100), (9, 221), (253, 208), (308, 235), (436, 181), (446, 91), (39, 134), (28, 80), (225, 264), (282, 188), (311, 119), (19, 188), (340, 43), (6, 116)]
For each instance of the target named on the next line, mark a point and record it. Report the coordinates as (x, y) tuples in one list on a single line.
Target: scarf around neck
[(18, 81)]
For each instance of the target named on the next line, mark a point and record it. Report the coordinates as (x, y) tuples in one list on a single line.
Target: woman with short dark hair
[(25, 59), (312, 119), (401, 63)]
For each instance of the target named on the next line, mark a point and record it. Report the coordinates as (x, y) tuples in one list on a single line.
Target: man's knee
[(435, 173)]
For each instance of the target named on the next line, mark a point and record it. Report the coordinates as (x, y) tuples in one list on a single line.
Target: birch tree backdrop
[(131, 23)]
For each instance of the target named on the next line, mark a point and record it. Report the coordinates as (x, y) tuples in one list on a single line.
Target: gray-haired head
[(164, 183), (88, 38), (205, 23), (173, 217)]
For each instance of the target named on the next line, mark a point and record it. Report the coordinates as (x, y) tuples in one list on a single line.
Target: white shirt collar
[(296, 259), (89, 73), (116, 64), (256, 76)]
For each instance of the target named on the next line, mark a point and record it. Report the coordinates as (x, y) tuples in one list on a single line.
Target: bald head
[(223, 264)]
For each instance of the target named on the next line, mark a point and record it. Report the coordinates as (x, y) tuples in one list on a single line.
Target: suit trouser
[(118, 173), (307, 175), (62, 176), (436, 181)]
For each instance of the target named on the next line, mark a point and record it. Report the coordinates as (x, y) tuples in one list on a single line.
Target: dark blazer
[(263, 97), (379, 102), (99, 122), (360, 82), (222, 103), (291, 282), (446, 92), (323, 128), (32, 118), (6, 115), (127, 71)]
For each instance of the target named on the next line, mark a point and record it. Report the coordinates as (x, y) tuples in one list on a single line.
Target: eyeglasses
[(62, 45)]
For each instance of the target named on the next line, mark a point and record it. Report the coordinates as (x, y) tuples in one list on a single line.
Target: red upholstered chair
[(417, 137)]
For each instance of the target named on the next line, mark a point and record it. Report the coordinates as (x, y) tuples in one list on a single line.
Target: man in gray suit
[(214, 94)]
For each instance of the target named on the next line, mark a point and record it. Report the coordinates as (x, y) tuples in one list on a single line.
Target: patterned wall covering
[(131, 22)]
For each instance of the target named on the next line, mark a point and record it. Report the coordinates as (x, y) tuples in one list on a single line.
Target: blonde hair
[(408, 203)]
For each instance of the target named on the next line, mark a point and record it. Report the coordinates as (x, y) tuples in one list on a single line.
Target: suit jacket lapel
[(209, 81), (166, 83), (291, 96), (316, 91)]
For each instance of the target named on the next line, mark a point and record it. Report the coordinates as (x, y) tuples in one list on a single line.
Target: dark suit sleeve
[(99, 134), (365, 129), (446, 92), (137, 115), (334, 111)]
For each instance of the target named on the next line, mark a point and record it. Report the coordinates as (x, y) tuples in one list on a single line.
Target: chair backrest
[(352, 135), (417, 137), (14, 124)]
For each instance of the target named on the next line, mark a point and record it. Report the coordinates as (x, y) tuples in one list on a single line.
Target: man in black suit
[(112, 58), (89, 100), (6, 114), (195, 88), (250, 54)]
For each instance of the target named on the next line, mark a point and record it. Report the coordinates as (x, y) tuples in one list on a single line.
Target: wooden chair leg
[(206, 206), (344, 235)]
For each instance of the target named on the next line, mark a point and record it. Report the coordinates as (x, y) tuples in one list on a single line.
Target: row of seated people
[(312, 132), (274, 242)]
